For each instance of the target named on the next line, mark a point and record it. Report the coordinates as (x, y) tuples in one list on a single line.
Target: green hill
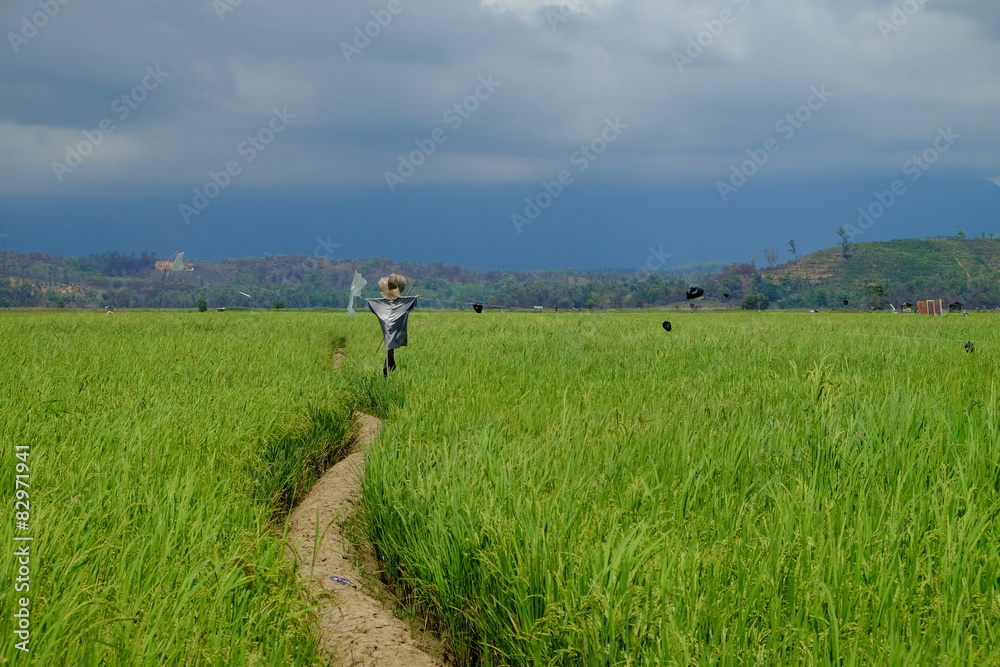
[(965, 270), (872, 274)]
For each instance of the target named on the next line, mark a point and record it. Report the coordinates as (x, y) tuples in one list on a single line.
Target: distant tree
[(845, 242), (277, 305), (202, 305), (791, 246), (755, 301), (961, 234), (770, 256), (6, 299), (877, 296), (25, 295)]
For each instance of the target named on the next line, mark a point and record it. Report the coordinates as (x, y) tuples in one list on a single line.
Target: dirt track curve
[(356, 629)]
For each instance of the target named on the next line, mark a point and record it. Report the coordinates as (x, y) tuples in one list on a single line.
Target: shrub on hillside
[(755, 301)]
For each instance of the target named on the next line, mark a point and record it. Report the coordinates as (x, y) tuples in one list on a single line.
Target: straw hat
[(391, 286)]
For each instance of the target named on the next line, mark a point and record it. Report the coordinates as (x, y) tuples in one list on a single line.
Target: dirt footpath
[(356, 628)]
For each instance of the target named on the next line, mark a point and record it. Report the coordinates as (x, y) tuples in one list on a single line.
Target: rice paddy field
[(550, 488)]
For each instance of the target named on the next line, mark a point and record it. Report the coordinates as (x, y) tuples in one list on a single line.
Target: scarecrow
[(392, 311)]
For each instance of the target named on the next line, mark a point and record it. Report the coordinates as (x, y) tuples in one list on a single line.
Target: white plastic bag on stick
[(357, 284)]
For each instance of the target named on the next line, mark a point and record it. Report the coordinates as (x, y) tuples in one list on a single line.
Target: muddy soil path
[(355, 628)]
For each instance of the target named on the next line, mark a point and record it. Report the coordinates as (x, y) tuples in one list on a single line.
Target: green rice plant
[(288, 464), (765, 488), (571, 489), (165, 451), (373, 394)]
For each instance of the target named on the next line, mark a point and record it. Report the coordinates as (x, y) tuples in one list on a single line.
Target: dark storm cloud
[(700, 86), (691, 94)]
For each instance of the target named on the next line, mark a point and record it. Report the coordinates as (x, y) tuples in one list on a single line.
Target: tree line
[(873, 276)]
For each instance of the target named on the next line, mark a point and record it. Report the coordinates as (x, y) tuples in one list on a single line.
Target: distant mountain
[(873, 274), (966, 270), (113, 279)]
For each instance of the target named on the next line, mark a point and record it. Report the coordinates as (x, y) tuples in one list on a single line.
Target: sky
[(496, 134)]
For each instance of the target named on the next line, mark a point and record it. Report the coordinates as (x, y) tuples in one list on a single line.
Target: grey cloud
[(558, 85)]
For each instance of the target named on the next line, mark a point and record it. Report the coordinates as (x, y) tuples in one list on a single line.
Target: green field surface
[(164, 450), (750, 488), (551, 488)]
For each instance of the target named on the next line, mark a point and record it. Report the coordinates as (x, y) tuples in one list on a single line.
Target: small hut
[(929, 307), (955, 307)]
